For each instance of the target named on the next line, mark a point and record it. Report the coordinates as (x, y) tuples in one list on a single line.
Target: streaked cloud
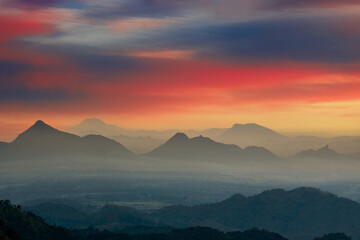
[(149, 57)]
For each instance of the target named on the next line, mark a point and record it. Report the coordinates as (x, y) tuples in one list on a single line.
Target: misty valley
[(179, 120), (189, 186)]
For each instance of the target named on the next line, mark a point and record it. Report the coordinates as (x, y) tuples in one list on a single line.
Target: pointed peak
[(179, 137), (39, 124), (37, 129)]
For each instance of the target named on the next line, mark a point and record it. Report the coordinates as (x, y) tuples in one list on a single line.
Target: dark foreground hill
[(180, 146), (302, 213), (109, 217), (16, 224)]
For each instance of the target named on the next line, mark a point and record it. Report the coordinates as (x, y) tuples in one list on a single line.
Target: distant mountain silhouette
[(321, 153), (250, 130), (301, 213), (251, 134), (42, 140), (180, 146), (95, 126), (243, 135)]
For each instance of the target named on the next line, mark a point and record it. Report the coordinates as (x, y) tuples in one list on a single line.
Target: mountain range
[(44, 141), (180, 146), (243, 135), (42, 146)]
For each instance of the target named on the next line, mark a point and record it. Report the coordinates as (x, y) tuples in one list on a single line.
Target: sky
[(290, 65)]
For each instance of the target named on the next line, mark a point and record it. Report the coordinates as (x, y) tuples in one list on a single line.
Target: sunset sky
[(290, 65)]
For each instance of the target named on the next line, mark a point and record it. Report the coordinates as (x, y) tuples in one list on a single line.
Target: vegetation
[(334, 236), (302, 213), (16, 224)]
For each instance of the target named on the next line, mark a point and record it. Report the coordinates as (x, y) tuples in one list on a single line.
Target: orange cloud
[(138, 24), (169, 54)]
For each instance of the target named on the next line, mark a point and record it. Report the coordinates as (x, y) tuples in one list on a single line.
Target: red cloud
[(21, 25), (309, 3)]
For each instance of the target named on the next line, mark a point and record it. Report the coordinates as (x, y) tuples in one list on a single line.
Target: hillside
[(44, 141), (16, 224), (61, 215), (321, 153), (180, 146), (302, 213)]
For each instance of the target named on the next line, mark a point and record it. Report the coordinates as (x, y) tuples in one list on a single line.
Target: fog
[(45, 164)]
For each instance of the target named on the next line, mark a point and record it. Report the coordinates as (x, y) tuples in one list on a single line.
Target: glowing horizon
[(292, 67)]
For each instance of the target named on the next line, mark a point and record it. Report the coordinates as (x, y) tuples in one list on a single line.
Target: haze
[(179, 119)]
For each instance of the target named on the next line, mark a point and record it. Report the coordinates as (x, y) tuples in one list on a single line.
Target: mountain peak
[(324, 152), (40, 125), (250, 130), (245, 124), (179, 137), (39, 128), (93, 121)]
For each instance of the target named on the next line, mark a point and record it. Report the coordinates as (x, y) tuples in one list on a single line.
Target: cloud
[(302, 40), (302, 92), (36, 4), (140, 8), (281, 4), (9, 69), (106, 64), (28, 96), (21, 25)]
